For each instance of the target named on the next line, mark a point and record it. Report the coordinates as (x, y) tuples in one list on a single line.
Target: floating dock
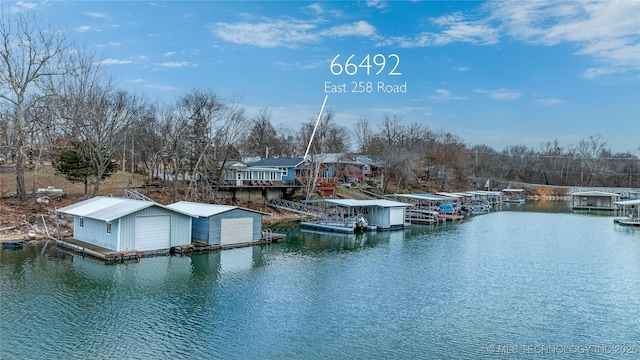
[(627, 222), (107, 255), (346, 227)]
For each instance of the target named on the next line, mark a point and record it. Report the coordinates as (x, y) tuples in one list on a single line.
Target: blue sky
[(496, 73)]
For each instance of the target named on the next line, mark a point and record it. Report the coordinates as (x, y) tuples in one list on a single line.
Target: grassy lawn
[(45, 176)]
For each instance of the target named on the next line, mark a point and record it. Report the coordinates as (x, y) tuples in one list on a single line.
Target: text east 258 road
[(364, 87)]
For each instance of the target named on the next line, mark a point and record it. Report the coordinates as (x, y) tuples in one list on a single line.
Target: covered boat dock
[(342, 215), (430, 208), (594, 200), (627, 212)]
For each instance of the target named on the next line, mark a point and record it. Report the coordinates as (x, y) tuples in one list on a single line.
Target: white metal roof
[(426, 197), (199, 209), (512, 190), (595, 193), (453, 195), (106, 208), (374, 202), (483, 192), (436, 197), (204, 210), (628, 202)]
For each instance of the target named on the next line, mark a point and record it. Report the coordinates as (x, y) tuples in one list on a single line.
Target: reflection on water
[(548, 206), (516, 277)]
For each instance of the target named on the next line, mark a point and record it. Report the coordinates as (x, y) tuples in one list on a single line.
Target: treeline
[(587, 163), (57, 103)]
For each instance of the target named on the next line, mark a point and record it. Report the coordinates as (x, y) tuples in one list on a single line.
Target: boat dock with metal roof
[(344, 215), (627, 212)]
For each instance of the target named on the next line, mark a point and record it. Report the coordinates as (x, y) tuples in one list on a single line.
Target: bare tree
[(29, 53), (285, 142), (95, 115), (591, 149), (107, 119), (363, 134), (145, 141), (261, 139), (174, 130), (216, 129), (398, 159), (453, 159), (328, 138)]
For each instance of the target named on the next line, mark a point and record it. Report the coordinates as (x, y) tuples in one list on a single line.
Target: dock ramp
[(297, 207)]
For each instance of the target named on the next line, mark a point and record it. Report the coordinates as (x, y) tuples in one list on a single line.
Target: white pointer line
[(316, 127)]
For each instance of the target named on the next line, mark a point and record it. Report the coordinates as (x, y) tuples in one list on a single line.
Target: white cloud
[(360, 28), (163, 87), (268, 34), (467, 31), (114, 62), (455, 29), (177, 64), (606, 30), (169, 53), (135, 81), (500, 94), (377, 4), (96, 15), (315, 8), (288, 33), (83, 28), (549, 102), (595, 71), (23, 6), (461, 68), (443, 94), (300, 65)]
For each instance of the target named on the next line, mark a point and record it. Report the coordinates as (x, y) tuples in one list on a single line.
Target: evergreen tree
[(76, 168)]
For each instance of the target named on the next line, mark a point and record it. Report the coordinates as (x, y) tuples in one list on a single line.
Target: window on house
[(109, 228), (81, 221)]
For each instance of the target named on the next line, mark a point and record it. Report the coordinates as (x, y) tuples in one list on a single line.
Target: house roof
[(338, 158), (108, 208), (373, 160), (205, 210), (278, 162)]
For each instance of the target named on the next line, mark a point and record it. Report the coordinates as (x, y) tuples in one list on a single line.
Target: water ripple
[(508, 278)]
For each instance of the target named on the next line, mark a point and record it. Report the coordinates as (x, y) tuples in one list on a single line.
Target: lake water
[(532, 281)]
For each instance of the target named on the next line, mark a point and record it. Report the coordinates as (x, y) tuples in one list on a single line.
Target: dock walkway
[(107, 255)]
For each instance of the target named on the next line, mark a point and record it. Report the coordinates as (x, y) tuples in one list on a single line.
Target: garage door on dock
[(153, 232), (235, 231)]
